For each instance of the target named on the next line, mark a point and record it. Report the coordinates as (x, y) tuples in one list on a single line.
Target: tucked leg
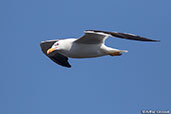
[(115, 54)]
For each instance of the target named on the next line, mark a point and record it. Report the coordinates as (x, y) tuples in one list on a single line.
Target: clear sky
[(30, 83)]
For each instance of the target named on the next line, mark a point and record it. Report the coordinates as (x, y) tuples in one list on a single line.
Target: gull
[(91, 44)]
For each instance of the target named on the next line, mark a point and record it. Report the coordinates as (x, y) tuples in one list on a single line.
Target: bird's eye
[(56, 44)]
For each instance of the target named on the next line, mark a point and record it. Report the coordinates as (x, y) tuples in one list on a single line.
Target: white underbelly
[(85, 51), (84, 55)]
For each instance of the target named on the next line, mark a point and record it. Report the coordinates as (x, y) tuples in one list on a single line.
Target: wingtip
[(89, 31), (157, 41), (154, 40), (69, 66), (42, 42)]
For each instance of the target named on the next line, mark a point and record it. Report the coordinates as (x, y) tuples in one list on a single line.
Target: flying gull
[(91, 44)]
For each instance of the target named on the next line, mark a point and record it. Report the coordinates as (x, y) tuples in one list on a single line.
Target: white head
[(56, 46)]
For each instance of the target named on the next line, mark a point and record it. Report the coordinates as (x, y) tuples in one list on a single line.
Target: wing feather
[(96, 36), (91, 37)]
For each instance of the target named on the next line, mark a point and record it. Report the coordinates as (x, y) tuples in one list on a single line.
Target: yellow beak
[(50, 50)]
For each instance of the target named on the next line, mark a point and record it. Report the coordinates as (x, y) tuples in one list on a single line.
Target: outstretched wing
[(54, 56), (96, 36), (92, 37)]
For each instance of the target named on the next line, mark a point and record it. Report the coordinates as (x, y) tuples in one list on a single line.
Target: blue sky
[(30, 83)]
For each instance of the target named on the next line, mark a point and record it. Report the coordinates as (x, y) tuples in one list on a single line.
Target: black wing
[(54, 56), (124, 36)]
